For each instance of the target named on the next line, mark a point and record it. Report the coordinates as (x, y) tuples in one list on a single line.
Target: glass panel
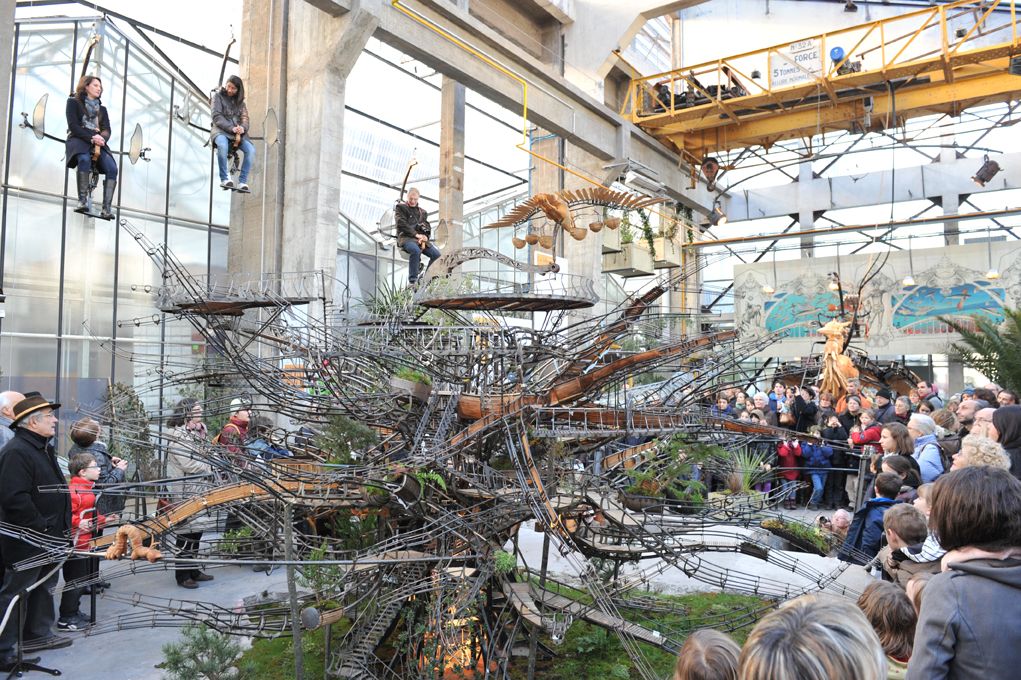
[(32, 265), (89, 266), (147, 102)]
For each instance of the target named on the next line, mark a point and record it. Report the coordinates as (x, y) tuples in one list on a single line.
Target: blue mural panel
[(918, 309), (799, 314)]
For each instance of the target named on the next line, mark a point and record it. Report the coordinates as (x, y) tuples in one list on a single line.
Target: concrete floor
[(126, 645)]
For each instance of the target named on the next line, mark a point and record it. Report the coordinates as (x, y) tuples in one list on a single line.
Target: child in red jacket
[(84, 520), (788, 454), (866, 433)]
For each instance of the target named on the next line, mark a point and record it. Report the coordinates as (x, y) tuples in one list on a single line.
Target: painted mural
[(893, 318)]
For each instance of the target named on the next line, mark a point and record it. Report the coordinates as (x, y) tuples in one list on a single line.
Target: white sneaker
[(227, 184), (243, 188)]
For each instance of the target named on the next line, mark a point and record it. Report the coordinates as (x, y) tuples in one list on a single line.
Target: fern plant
[(992, 349)]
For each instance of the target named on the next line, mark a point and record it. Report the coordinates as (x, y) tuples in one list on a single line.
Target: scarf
[(91, 117)]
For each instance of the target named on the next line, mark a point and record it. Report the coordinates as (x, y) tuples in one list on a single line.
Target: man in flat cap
[(31, 498)]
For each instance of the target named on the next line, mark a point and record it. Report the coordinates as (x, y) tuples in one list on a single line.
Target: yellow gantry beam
[(937, 60)]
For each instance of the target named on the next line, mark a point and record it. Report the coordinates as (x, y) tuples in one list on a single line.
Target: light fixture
[(849, 6), (39, 117), (986, 172), (992, 273), (909, 280), (644, 183), (834, 283), (768, 289), (716, 215)]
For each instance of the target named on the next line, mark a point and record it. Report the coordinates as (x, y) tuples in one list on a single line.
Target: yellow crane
[(942, 59)]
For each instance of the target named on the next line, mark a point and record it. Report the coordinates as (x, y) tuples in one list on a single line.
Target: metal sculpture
[(410, 528)]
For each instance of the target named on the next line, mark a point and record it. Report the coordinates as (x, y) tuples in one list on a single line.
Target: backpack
[(948, 446)]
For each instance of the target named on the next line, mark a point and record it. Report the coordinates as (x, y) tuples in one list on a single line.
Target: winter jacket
[(847, 420), (870, 435), (187, 458), (970, 623), (865, 536), (804, 413), (79, 137), (1007, 421), (886, 414), (109, 502), (816, 456), (928, 457), (717, 412), (83, 506), (27, 467), (787, 455), (410, 222), (227, 114), (837, 435)]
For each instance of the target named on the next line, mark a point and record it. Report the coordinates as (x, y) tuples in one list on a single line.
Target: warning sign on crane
[(800, 62)]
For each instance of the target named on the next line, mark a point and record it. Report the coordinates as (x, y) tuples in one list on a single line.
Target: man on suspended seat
[(413, 233), (230, 129), (86, 147)]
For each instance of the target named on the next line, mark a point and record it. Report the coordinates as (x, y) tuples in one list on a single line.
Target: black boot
[(83, 192), (109, 186)]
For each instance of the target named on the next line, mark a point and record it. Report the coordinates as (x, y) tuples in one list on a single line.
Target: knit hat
[(923, 423), (885, 393), (32, 402)]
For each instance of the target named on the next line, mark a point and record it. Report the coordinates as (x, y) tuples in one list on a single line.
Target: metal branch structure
[(480, 427)]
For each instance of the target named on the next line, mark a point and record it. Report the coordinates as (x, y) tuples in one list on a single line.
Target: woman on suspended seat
[(88, 133), (230, 129)]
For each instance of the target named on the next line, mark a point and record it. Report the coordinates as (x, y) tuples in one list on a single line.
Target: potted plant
[(743, 469), (632, 260), (801, 536), (666, 251), (413, 383), (611, 234), (665, 480)]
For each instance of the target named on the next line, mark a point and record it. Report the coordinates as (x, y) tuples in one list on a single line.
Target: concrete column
[(950, 200), (304, 81), (451, 219), (955, 377), (806, 216), (6, 67)]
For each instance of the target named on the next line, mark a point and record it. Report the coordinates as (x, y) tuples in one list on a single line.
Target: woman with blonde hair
[(976, 450), (813, 637), (707, 654)]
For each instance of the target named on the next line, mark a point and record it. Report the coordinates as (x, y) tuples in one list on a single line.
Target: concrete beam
[(553, 103), (932, 181)]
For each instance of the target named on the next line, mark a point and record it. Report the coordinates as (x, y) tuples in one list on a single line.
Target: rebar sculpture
[(478, 426)]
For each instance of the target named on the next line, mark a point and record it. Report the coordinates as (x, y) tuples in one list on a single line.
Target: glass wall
[(79, 310)]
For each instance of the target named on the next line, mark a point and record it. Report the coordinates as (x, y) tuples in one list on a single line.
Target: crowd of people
[(957, 620), (52, 510), (937, 521)]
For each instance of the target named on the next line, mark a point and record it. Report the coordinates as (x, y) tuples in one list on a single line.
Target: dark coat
[(865, 536), (227, 113), (411, 222), (27, 466), (1007, 421), (837, 435), (108, 475), (969, 625), (804, 413), (886, 414), (816, 456), (79, 137)]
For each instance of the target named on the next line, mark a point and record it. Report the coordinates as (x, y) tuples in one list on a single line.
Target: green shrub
[(204, 654)]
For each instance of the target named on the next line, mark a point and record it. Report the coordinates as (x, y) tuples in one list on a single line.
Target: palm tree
[(990, 348)]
